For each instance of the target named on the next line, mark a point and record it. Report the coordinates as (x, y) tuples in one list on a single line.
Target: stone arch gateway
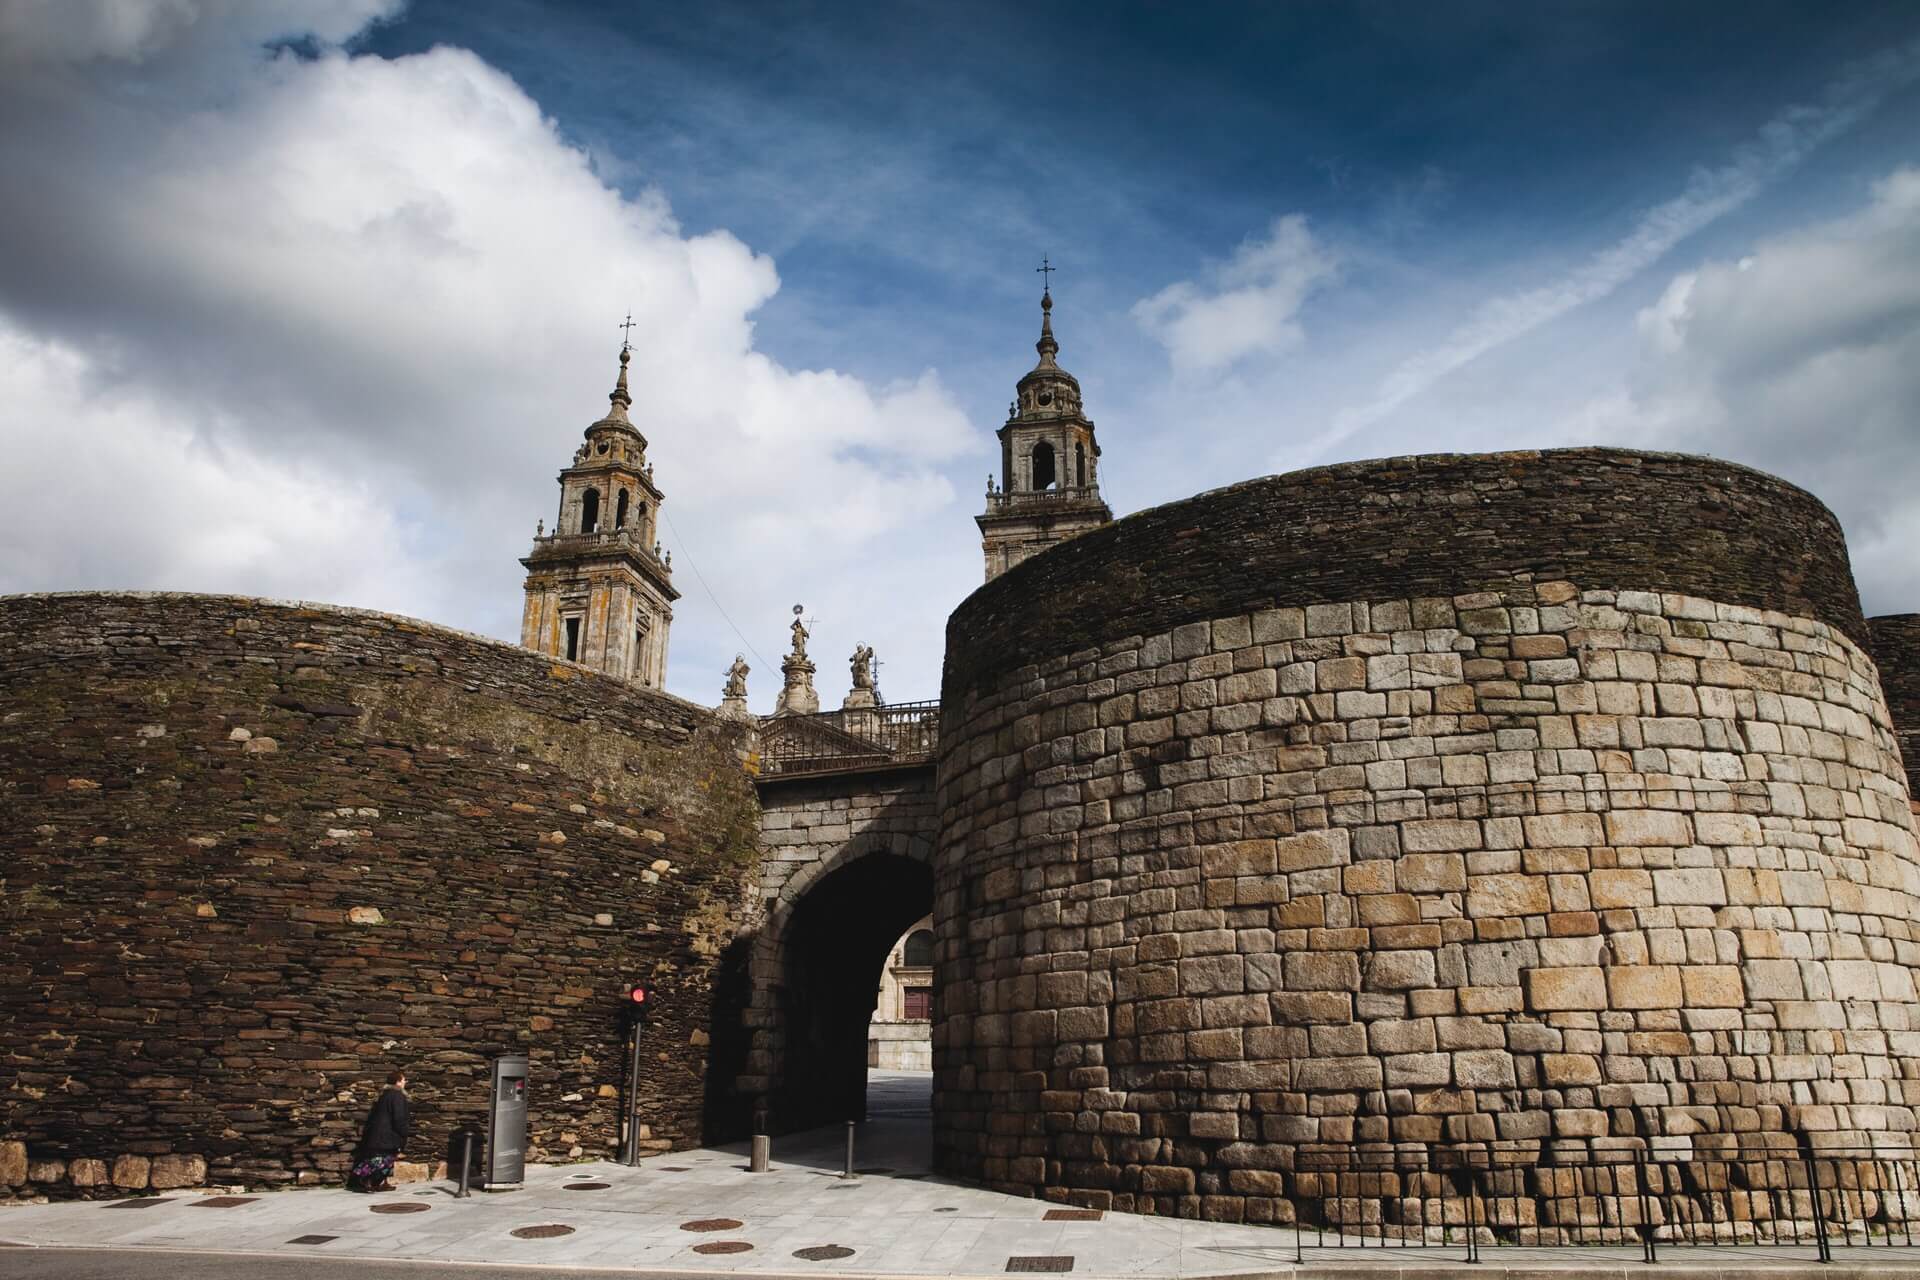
[(847, 871), (1524, 799)]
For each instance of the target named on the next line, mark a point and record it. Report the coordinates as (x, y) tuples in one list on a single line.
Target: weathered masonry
[(1520, 799), (1896, 648), (258, 854)]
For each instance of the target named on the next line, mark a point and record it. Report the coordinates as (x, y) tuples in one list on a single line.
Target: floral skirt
[(369, 1171)]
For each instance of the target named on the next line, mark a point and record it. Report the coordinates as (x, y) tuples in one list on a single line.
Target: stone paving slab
[(906, 1223)]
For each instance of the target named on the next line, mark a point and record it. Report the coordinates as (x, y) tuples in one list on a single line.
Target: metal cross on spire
[(1046, 270), (626, 332)]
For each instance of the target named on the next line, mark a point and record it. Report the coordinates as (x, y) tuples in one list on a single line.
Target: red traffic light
[(638, 994)]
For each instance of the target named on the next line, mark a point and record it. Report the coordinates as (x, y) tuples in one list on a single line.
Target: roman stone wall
[(1522, 800), (1896, 647), (258, 854)]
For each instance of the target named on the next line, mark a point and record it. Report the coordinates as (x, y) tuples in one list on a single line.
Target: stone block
[(1328, 1074), (1854, 979), (1399, 970), (1303, 1008), (1648, 828), (1689, 886), (1166, 1180), (1313, 849), (1643, 986), (1431, 872), (1773, 979), (1564, 830), (131, 1172), (1713, 986), (1417, 1070), (87, 1173), (1401, 1035), (13, 1164), (172, 1171), (1322, 971), (1440, 835), (1741, 829), (1551, 990), (1618, 888), (1483, 1069), (1507, 895), (1564, 1069)]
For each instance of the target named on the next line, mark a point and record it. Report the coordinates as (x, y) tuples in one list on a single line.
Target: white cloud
[(1250, 305), (1710, 194), (351, 314), (1801, 358)]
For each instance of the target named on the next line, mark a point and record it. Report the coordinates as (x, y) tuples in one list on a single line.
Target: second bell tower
[(599, 591), (1049, 464)]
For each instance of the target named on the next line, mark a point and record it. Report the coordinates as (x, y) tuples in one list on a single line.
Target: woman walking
[(382, 1139)]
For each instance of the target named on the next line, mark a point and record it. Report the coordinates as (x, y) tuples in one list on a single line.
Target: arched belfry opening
[(832, 951), (590, 511), (1043, 468)]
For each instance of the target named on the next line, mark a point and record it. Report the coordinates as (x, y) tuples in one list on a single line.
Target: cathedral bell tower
[(1049, 464), (599, 591)]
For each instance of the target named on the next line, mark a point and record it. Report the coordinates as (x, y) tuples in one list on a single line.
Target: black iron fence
[(1476, 1196)]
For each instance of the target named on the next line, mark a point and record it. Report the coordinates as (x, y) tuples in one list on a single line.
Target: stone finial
[(1047, 347), (619, 400)]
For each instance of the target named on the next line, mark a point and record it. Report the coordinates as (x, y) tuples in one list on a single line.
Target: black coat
[(387, 1123)]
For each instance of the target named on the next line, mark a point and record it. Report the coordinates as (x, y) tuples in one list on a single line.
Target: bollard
[(757, 1163), (466, 1163), (848, 1171)]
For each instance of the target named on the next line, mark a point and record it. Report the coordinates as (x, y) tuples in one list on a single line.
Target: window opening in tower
[(1043, 475), (590, 511), (620, 511)]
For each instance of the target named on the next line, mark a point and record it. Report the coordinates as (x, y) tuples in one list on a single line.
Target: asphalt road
[(154, 1264)]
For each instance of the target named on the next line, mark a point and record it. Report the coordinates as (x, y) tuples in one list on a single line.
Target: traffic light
[(639, 1004)]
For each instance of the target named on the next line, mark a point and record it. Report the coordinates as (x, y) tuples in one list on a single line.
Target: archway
[(831, 954)]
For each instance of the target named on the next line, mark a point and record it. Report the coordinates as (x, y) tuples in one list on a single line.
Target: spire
[(619, 398), (1047, 347)]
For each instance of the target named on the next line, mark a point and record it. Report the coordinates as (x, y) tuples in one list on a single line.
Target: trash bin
[(507, 1121)]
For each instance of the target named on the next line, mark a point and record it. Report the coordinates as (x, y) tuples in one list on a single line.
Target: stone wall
[(258, 854), (1896, 647), (1430, 804)]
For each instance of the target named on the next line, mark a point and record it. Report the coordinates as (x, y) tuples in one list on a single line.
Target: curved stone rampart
[(1520, 800), (256, 854), (1399, 528), (1896, 648)]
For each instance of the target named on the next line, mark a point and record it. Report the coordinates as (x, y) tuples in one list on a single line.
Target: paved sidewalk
[(701, 1211)]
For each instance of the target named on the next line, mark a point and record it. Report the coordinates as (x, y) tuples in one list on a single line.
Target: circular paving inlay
[(399, 1206), (546, 1231), (710, 1224), (723, 1246), (823, 1253), (585, 1186)]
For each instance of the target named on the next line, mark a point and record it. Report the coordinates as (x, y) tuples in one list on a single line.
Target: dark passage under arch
[(838, 940)]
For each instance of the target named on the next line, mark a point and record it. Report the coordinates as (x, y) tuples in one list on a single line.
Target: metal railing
[(889, 734), (1537, 1195)]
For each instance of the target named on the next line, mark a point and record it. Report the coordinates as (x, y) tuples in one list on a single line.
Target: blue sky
[(361, 298)]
